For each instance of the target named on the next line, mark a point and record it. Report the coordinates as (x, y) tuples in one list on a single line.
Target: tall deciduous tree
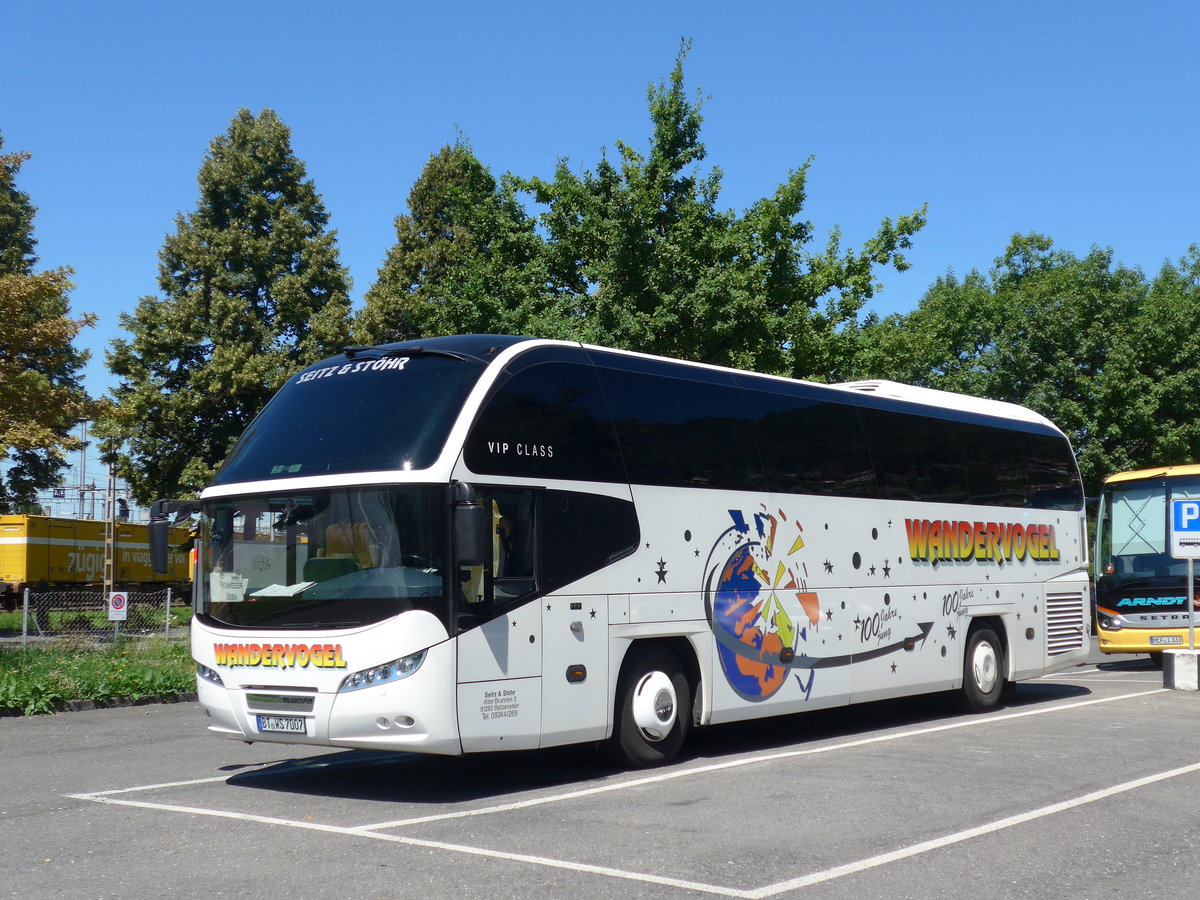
[(1163, 362), (655, 265), (635, 254), (1109, 357), (41, 394), (252, 291), (466, 259)]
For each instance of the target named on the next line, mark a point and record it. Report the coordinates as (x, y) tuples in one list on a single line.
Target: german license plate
[(1166, 639), (284, 724)]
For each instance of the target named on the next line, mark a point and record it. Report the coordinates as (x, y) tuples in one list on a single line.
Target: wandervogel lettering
[(942, 541), (282, 656)]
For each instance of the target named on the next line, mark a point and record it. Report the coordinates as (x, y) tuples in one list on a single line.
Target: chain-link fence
[(46, 616)]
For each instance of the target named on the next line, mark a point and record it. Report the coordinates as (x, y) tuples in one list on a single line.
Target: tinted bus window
[(358, 415), (682, 433), (916, 457), (997, 466), (546, 421), (809, 446), (583, 533), (1054, 479)]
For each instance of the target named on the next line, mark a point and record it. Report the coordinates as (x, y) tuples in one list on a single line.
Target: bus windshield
[(1133, 541), (361, 414), (335, 558)]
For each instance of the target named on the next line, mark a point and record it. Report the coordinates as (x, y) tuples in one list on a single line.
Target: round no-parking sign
[(118, 606)]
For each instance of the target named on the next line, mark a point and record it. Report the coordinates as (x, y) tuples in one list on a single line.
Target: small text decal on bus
[(521, 449), (939, 541), (369, 365), (283, 656)]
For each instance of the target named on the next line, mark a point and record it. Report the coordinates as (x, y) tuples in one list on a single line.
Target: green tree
[(635, 254), (1063, 335), (252, 291), (466, 259), (653, 264), (41, 394), (1154, 392)]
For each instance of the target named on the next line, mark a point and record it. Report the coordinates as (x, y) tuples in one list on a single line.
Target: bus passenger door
[(575, 702), (500, 645)]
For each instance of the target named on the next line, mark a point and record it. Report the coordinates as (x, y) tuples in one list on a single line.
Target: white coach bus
[(484, 543)]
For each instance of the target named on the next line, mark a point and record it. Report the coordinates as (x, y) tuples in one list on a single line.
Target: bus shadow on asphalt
[(1142, 664), (436, 780), (859, 721), (398, 777)]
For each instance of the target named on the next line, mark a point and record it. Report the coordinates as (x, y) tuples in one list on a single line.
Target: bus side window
[(513, 544)]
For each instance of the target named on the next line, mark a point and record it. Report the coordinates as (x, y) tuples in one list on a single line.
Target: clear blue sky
[(1078, 120)]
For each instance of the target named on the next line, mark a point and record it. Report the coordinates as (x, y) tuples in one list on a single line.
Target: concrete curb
[(62, 706)]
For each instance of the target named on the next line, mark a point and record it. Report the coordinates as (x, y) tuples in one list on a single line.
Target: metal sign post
[(118, 610), (1185, 544)]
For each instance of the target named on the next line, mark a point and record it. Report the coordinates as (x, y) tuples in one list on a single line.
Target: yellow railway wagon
[(70, 553)]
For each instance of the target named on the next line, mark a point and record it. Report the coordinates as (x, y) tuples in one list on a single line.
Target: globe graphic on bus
[(748, 652)]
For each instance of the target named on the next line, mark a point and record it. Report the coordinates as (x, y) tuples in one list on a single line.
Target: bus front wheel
[(983, 672), (653, 709)]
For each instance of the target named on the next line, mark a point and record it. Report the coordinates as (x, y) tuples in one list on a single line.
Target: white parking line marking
[(375, 831), (151, 787), (546, 861), (752, 760), (960, 836)]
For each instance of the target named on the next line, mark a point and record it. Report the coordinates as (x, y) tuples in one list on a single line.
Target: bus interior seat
[(350, 539), (325, 568)]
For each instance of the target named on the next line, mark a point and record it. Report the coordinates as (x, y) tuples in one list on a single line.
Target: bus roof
[(1159, 472), (946, 400)]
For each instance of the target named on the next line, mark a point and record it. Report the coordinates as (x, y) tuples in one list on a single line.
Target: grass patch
[(41, 679)]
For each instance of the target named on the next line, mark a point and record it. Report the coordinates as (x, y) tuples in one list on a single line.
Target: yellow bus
[(1141, 591)]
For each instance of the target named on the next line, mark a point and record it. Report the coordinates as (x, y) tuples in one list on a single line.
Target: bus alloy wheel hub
[(654, 706)]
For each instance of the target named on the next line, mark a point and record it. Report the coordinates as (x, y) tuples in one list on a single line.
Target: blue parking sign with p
[(1185, 528)]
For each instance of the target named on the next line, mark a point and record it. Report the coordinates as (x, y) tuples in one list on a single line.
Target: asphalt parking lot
[(1079, 786)]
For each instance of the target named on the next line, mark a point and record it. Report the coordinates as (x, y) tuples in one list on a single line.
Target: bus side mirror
[(158, 536), (471, 547), (159, 530)]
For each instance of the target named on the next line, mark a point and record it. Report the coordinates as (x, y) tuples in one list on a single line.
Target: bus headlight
[(1110, 622), (392, 671), (210, 675)]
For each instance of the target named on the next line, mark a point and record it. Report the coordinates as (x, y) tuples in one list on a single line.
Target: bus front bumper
[(417, 714), (1143, 640)]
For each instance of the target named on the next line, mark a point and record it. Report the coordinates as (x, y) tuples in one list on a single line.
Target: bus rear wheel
[(653, 709), (983, 672)]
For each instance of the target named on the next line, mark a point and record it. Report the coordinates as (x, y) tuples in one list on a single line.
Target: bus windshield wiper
[(395, 352)]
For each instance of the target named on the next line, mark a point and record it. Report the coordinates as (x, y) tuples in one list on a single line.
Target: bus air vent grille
[(279, 703), (1065, 622)]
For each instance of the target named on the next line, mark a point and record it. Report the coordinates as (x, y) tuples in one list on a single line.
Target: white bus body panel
[(842, 584)]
